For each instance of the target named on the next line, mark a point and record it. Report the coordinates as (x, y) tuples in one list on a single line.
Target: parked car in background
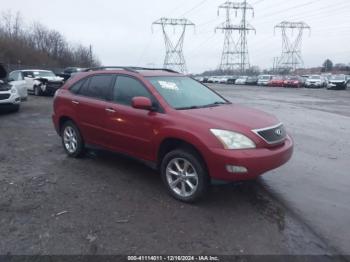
[(232, 80), (177, 125), (9, 96), (316, 81), (16, 79), (70, 71), (277, 81), (199, 79), (242, 80), (40, 82), (338, 82), (213, 79), (223, 80), (251, 80), (263, 80), (293, 81)]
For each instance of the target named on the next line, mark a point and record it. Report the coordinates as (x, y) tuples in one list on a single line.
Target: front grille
[(54, 85), (4, 96), (272, 135)]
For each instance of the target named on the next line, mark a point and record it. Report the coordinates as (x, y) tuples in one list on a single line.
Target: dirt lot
[(109, 204)]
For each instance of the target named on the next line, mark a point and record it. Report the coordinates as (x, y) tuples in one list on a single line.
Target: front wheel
[(184, 175), (37, 90), (72, 140)]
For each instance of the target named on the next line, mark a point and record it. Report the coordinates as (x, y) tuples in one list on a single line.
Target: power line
[(194, 8)]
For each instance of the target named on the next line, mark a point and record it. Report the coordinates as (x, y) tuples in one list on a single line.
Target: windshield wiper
[(187, 108), (215, 104), (204, 106)]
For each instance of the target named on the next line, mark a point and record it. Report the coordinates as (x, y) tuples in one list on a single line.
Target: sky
[(121, 32)]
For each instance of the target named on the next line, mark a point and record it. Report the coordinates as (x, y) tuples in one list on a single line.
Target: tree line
[(37, 45)]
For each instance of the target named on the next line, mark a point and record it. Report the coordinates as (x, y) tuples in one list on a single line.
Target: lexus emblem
[(278, 132)]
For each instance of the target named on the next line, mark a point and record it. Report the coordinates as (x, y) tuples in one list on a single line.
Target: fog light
[(236, 169)]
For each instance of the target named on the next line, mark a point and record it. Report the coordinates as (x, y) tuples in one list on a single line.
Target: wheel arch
[(171, 143)]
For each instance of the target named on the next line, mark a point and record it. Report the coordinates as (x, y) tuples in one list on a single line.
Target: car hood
[(231, 117), (51, 79), (337, 81)]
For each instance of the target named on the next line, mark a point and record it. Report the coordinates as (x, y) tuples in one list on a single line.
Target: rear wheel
[(184, 175), (72, 140)]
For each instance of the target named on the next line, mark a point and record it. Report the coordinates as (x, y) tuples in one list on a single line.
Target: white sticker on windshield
[(168, 85)]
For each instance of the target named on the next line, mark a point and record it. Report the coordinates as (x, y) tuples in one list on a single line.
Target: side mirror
[(142, 103)]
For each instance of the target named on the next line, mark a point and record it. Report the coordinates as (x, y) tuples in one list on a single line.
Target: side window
[(28, 74), (13, 76), (97, 87), (76, 87), (126, 88)]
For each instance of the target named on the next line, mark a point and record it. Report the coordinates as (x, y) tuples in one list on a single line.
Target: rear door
[(91, 104), (131, 130)]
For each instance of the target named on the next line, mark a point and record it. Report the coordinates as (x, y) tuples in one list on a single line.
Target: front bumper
[(14, 99), (313, 85), (256, 161)]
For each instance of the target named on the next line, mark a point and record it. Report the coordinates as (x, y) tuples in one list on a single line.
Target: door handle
[(110, 110), (75, 102)]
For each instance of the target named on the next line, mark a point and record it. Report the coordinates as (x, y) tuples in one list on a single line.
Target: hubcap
[(182, 177), (70, 139)]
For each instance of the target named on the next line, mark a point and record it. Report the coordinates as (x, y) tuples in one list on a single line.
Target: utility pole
[(174, 57), (291, 57), (235, 54)]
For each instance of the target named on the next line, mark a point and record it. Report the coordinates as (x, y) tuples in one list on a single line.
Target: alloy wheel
[(70, 139), (182, 177)]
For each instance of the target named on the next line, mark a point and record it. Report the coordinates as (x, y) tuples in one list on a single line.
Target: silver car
[(9, 97)]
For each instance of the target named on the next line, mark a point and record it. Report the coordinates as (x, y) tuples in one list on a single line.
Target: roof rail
[(155, 69), (101, 68), (133, 69)]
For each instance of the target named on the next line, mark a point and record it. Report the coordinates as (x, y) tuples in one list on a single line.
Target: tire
[(15, 108), (189, 185), (37, 91), (72, 140)]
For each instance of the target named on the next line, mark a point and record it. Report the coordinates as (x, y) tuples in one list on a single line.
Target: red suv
[(182, 128)]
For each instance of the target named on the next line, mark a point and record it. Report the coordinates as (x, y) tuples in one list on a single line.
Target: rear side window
[(126, 88), (98, 87)]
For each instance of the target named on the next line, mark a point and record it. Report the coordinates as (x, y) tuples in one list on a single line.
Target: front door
[(131, 130)]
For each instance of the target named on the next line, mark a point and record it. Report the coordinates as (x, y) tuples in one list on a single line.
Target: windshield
[(264, 77), (185, 93), (243, 77), (293, 78), (315, 77), (338, 77), (277, 78), (43, 74)]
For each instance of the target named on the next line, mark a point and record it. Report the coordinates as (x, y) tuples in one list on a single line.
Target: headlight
[(13, 90), (233, 140)]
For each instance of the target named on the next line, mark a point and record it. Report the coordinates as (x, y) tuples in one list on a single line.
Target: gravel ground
[(108, 204)]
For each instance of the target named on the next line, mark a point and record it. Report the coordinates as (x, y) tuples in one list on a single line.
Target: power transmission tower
[(291, 57), (174, 57), (235, 54)]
